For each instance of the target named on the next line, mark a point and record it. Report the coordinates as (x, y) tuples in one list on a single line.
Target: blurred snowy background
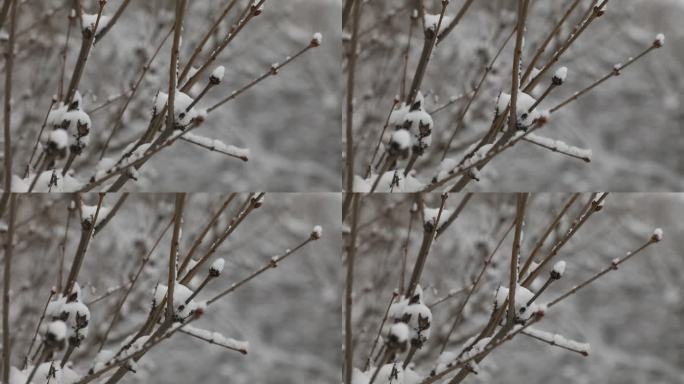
[(289, 315), (290, 122), (632, 123), (631, 317)]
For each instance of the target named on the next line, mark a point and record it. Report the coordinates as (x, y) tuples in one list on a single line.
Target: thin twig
[(273, 263), (613, 266)]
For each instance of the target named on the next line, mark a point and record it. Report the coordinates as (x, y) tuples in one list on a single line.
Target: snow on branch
[(560, 147), (558, 340), (217, 338), (217, 145)]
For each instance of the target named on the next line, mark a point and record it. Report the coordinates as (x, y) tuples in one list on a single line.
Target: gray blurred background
[(632, 123), (289, 315), (290, 122), (631, 317)]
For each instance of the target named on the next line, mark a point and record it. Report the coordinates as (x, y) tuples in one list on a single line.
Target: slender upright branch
[(9, 248), (349, 106), (515, 255), (349, 288), (87, 228), (173, 254), (9, 63), (203, 233), (173, 68)]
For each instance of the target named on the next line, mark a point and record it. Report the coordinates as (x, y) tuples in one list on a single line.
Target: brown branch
[(515, 255), (425, 55), (87, 228), (252, 10), (455, 21), (173, 254), (9, 248), (349, 116), (173, 67), (589, 209), (205, 38), (87, 37), (9, 63), (613, 266), (273, 263), (248, 206), (613, 73), (592, 14), (117, 310), (203, 233), (547, 232), (454, 215), (472, 288), (461, 118), (119, 118), (272, 71), (100, 34), (112, 212), (547, 40), (349, 285), (429, 230)]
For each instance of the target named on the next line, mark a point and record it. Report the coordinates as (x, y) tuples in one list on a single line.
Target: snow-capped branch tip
[(316, 232), (316, 40), (659, 40), (560, 76), (558, 270), (217, 75), (657, 235), (217, 267)]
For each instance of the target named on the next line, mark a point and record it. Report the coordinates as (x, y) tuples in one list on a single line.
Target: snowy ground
[(289, 315), (630, 317)]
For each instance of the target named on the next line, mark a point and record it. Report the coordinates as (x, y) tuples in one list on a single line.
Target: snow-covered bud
[(659, 40), (55, 334), (57, 143), (560, 76), (316, 39), (397, 337), (430, 218), (399, 143), (316, 232), (217, 75), (558, 270), (657, 235), (216, 267)]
